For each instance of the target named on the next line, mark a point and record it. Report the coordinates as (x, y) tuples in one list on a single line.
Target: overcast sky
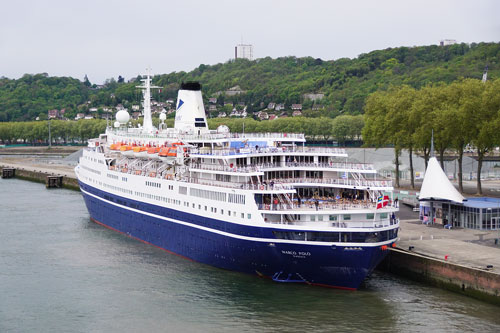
[(107, 38)]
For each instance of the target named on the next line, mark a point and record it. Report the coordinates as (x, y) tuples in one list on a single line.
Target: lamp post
[(50, 139)]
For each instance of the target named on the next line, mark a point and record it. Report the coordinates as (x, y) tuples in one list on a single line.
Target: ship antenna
[(147, 125)]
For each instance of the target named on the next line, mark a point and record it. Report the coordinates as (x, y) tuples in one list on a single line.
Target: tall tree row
[(465, 112)]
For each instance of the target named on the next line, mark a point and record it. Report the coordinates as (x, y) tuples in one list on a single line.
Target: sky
[(108, 38)]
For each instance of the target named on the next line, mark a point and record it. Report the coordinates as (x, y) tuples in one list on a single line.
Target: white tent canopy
[(437, 186)]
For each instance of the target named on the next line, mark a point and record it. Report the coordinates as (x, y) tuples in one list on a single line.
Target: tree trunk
[(441, 158), (427, 152), (460, 175), (479, 166), (396, 152), (410, 151)]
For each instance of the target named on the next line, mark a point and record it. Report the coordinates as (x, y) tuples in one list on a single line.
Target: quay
[(465, 261), (51, 175)]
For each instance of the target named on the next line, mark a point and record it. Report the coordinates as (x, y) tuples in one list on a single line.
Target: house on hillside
[(53, 114), (271, 106), (317, 107), (273, 116), (313, 97), (280, 107), (212, 100), (221, 115), (296, 113), (296, 107), (212, 108), (80, 116), (262, 115)]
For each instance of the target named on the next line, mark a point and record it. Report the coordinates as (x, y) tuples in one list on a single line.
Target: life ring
[(261, 187)]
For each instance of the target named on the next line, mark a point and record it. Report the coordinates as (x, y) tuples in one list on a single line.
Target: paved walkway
[(471, 248), (34, 165)]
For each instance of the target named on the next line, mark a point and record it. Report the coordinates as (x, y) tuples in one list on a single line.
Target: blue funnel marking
[(181, 102)]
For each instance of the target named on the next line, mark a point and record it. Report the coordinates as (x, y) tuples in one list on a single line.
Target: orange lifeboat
[(167, 154), (153, 153), (127, 150), (140, 151), (115, 146)]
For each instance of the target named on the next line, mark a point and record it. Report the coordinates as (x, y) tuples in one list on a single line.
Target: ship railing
[(321, 205), (259, 167), (336, 224), (243, 186), (334, 165), (267, 150), (226, 168), (335, 181), (211, 135)]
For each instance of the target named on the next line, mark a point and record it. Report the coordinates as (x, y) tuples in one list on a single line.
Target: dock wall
[(476, 283), (41, 177)]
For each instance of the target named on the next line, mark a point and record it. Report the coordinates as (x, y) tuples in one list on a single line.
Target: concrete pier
[(65, 174)]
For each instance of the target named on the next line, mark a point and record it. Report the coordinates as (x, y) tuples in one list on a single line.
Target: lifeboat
[(140, 151), (127, 151), (153, 153), (115, 146), (167, 154)]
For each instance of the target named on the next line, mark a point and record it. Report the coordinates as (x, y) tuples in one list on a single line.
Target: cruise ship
[(258, 203)]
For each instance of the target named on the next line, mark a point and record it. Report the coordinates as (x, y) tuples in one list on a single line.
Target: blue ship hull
[(247, 249)]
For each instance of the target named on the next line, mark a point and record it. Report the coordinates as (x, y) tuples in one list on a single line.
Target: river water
[(60, 272)]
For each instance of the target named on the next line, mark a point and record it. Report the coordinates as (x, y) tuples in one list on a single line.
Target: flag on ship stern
[(382, 201)]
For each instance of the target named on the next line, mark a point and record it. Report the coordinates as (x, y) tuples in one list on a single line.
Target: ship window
[(320, 217), (182, 190), (313, 217), (333, 217), (347, 217), (222, 211), (229, 212), (215, 209), (242, 215), (383, 215), (249, 216), (205, 207), (370, 216)]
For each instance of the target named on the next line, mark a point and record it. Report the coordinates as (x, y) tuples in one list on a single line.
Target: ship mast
[(147, 126)]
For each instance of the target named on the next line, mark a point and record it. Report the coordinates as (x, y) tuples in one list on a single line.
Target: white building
[(244, 51), (445, 42)]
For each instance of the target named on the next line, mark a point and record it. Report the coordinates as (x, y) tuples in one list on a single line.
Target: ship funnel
[(190, 112)]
